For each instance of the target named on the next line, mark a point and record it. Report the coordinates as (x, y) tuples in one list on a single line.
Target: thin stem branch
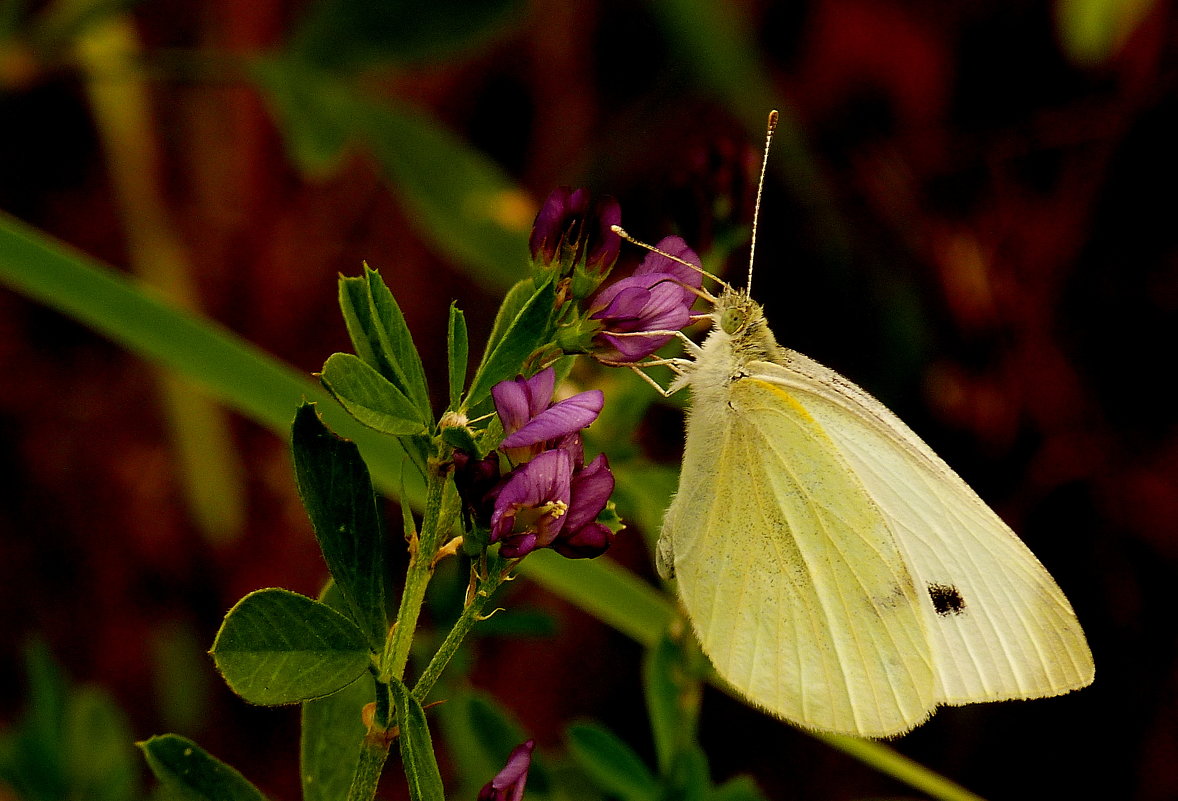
[(471, 614)]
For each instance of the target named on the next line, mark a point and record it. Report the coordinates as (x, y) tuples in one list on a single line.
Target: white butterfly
[(836, 571)]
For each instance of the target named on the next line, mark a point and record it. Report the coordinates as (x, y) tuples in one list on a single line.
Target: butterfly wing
[(788, 571), (1000, 626)]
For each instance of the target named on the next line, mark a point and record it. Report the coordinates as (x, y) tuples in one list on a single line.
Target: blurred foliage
[(347, 35), (73, 742)]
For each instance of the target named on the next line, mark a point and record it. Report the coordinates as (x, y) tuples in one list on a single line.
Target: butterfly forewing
[(789, 572), (1000, 627)]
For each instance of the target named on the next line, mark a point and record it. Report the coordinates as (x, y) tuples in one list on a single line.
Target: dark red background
[(996, 261)]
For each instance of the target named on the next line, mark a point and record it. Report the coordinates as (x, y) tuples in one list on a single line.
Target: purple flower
[(531, 421), (582, 537), (509, 783), (551, 499), (532, 504), (656, 298), (572, 236)]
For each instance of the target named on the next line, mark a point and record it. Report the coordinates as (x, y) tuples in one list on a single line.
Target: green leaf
[(689, 779), (672, 700), (525, 332), (97, 745), (279, 647), (396, 339), (739, 788), (606, 590), (337, 491), (417, 750), (513, 303), (333, 729), (370, 397), (350, 34), (381, 336), (311, 112), (193, 774), (465, 203), (331, 734), (460, 438), (70, 742), (32, 756), (457, 353), (611, 764), (48, 701)]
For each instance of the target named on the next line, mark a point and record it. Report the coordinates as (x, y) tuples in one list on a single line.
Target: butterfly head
[(735, 312), (743, 321)]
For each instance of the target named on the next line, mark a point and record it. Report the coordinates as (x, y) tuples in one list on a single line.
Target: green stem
[(373, 754), (470, 615), (421, 569), (382, 716)]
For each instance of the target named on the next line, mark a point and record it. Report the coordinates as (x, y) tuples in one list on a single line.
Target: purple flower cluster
[(636, 312), (629, 319), (509, 783), (551, 498)]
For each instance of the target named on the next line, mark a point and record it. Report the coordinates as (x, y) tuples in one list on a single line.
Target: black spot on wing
[(947, 599)]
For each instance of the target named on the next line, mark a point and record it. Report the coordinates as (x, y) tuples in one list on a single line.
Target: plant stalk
[(470, 615), (421, 569)]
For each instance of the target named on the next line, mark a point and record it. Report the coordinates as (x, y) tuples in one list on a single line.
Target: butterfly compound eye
[(732, 320)]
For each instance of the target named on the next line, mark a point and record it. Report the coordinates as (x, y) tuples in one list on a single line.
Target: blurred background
[(970, 212)]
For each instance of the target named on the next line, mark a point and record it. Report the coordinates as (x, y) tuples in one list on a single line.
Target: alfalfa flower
[(509, 783), (531, 420), (635, 313), (550, 499), (581, 536), (531, 506), (573, 237)]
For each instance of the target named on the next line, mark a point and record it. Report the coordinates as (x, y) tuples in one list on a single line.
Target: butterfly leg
[(690, 346)]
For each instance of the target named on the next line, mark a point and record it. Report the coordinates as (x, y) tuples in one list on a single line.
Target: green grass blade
[(230, 369)]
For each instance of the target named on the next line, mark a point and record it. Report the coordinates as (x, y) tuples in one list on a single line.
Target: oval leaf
[(330, 740), (370, 397), (101, 765), (611, 764), (279, 647), (191, 773), (337, 491)]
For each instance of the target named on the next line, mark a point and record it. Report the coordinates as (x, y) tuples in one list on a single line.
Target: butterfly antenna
[(769, 129), (620, 231)]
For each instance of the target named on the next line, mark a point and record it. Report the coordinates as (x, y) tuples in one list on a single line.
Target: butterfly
[(836, 571)]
